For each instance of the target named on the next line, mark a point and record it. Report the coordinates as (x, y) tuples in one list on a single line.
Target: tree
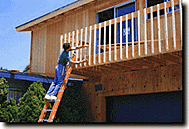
[(26, 69), (8, 109), (71, 108), (31, 104)]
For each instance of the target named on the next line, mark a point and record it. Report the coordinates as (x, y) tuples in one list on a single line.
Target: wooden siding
[(153, 80), (38, 63), (68, 22)]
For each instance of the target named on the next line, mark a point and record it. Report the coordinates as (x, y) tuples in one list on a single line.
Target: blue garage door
[(159, 107)]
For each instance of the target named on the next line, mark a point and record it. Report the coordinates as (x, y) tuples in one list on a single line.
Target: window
[(150, 3), (15, 94), (113, 12)]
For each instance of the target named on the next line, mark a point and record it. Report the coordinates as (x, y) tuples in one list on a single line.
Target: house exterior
[(19, 82), (133, 50)]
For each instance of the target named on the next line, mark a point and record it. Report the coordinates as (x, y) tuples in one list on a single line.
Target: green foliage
[(31, 104), (8, 109), (71, 108), (27, 68), (3, 90)]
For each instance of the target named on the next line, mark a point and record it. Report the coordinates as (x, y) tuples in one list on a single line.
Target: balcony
[(140, 41)]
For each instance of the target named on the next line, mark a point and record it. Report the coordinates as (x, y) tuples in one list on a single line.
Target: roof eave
[(27, 25)]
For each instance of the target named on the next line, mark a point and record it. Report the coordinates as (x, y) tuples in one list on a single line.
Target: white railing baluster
[(73, 33), (65, 36), (145, 32), (166, 28), (90, 34), (61, 43), (126, 25), (85, 54), (77, 51), (110, 40), (94, 52), (69, 42), (139, 33), (132, 26), (81, 43), (180, 7), (99, 43), (105, 41), (159, 34), (173, 22), (121, 37), (152, 29), (115, 38)]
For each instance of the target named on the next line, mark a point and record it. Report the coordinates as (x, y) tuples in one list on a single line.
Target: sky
[(15, 46)]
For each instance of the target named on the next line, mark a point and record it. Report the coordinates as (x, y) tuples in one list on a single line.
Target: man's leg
[(61, 77), (53, 84)]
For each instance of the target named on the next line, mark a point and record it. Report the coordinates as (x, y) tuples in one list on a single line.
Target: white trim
[(105, 41), (94, 52), (139, 32), (110, 40), (115, 38), (173, 23), (126, 25), (132, 26), (145, 32), (159, 33), (152, 29), (166, 27), (99, 42), (90, 34), (121, 37)]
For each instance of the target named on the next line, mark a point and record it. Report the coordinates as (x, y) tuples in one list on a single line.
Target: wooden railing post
[(115, 38), (94, 48), (109, 40), (132, 26), (99, 42), (126, 24), (90, 34), (159, 36), (105, 41), (180, 7), (138, 32), (121, 37), (173, 22), (152, 30), (166, 28)]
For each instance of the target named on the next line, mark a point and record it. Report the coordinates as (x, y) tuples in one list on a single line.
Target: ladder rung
[(61, 90), (57, 100), (48, 110), (47, 120)]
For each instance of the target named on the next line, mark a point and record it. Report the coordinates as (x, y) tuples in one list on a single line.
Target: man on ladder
[(60, 71), (59, 83)]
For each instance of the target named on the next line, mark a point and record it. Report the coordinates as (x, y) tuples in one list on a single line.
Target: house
[(134, 53), (19, 82)]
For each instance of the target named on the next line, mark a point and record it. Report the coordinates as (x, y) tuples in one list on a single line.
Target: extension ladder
[(57, 101)]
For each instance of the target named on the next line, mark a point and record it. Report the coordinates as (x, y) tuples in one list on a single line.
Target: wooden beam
[(157, 60), (86, 72), (171, 58), (121, 66)]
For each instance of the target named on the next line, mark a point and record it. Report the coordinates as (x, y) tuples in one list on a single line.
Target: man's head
[(67, 46)]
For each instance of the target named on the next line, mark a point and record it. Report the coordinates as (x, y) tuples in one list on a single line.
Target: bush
[(31, 104), (71, 108)]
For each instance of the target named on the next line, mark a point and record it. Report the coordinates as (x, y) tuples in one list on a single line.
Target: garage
[(157, 107)]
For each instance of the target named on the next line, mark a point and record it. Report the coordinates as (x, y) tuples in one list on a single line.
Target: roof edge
[(52, 14)]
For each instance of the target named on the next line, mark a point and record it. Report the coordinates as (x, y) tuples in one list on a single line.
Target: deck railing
[(155, 35)]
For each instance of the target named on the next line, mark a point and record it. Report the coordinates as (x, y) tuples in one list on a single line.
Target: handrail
[(82, 41)]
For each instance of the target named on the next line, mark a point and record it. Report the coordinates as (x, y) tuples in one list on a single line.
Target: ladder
[(57, 101)]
